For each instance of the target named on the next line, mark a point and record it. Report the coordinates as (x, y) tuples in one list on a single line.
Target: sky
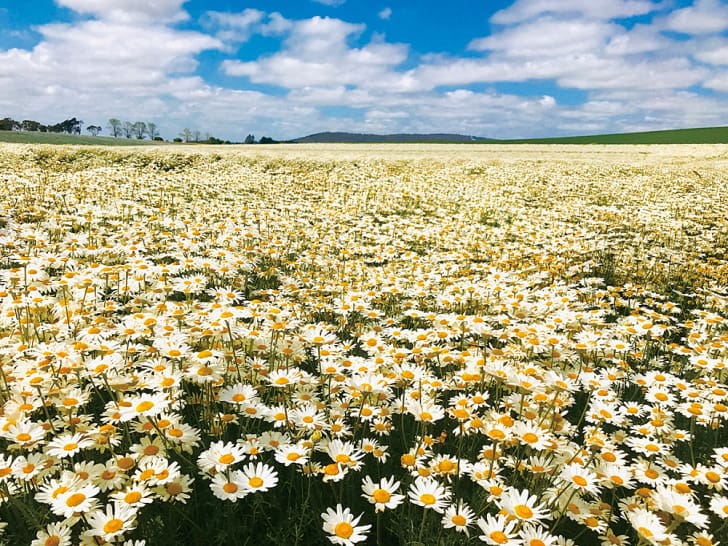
[(288, 68)]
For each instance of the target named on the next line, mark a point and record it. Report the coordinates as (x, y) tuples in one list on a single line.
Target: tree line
[(120, 128), (71, 126)]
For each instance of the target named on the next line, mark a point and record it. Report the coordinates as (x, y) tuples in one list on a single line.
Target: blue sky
[(286, 68)]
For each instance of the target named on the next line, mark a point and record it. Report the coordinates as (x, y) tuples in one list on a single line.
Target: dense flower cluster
[(511, 348)]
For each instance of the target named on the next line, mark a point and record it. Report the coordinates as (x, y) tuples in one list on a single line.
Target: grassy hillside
[(26, 137), (703, 135)]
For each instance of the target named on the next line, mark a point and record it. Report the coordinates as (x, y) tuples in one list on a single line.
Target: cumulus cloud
[(703, 17), (130, 10), (547, 37), (316, 53), (234, 27), (385, 14), (522, 10)]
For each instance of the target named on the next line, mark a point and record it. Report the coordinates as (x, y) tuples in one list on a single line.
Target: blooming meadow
[(515, 346)]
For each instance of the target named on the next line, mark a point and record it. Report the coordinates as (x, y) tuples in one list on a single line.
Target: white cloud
[(719, 82), (640, 39), (716, 54), (316, 53), (521, 10), (547, 37), (385, 14), (234, 27), (703, 17), (130, 10)]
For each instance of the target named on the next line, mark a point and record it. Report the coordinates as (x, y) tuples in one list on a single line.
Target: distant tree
[(186, 134), (196, 135), (152, 130), (94, 130), (30, 125), (158, 139), (127, 129), (250, 139), (115, 127), (6, 124), (176, 139), (139, 129), (70, 126), (267, 140)]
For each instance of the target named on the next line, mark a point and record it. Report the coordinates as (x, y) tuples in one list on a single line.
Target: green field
[(26, 137), (703, 135)]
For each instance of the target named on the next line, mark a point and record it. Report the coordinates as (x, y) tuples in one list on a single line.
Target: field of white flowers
[(521, 346)]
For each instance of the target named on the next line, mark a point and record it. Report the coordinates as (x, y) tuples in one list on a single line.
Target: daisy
[(382, 495), (26, 434), (292, 454), (498, 530), (580, 478), (176, 490), (259, 477), (27, 468), (229, 487), (135, 495), (143, 406), (343, 527), (428, 493), (530, 435), (648, 525), (112, 523), (57, 534), (520, 505), (67, 445), (533, 535), (344, 453), (240, 393), (74, 501), (719, 506), (220, 456), (459, 517)]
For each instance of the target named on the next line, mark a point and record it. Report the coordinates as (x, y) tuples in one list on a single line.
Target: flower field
[(421, 345)]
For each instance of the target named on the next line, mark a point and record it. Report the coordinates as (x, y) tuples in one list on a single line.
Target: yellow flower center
[(523, 511), (459, 520), (113, 525), (144, 406), (230, 487), (499, 537), (255, 482), (383, 496), (530, 438), (75, 499), (580, 481), (52, 541), (713, 477), (343, 530), (132, 497), (226, 459), (427, 499), (151, 450)]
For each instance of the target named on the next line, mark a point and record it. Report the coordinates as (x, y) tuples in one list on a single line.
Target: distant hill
[(701, 135), (396, 138)]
